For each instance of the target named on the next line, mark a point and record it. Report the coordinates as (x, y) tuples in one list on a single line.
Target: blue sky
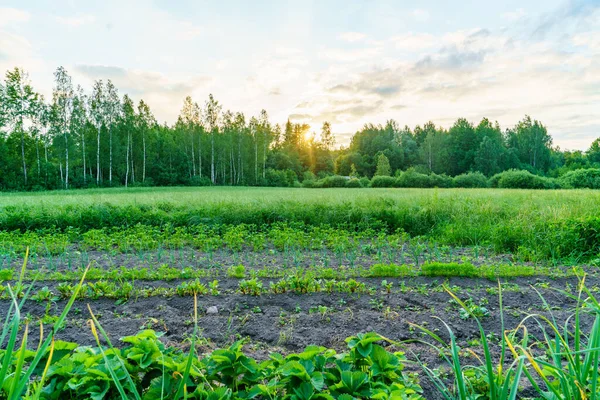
[(347, 62)]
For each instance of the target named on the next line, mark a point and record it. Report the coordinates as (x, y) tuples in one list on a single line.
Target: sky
[(346, 62)]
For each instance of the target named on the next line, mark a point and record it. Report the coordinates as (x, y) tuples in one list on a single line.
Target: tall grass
[(538, 225), (562, 364), (13, 375)]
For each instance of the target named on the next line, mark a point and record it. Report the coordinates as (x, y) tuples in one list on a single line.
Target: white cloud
[(10, 16), (514, 15), (76, 21), (420, 15), (352, 36), (350, 55), (414, 41), (589, 39), (164, 94), (545, 64), (473, 73)]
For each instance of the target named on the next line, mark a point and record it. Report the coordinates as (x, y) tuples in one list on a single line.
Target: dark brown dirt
[(289, 322)]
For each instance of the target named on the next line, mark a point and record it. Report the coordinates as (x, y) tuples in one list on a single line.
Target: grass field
[(543, 224), (231, 277), (580, 201)]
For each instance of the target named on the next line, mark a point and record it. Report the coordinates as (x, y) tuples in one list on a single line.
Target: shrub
[(200, 181), (440, 181), (448, 269), (281, 178), (308, 176), (581, 178), (520, 179), (494, 180), (383, 181), (333, 181), (413, 179), (310, 183), (471, 180), (364, 181), (353, 183)]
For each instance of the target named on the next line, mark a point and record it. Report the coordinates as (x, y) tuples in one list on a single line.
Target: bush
[(519, 179), (333, 181), (280, 178), (413, 179), (308, 176), (440, 181), (494, 180), (448, 269), (353, 183), (364, 181), (200, 181), (471, 180), (581, 178), (383, 181), (312, 184)]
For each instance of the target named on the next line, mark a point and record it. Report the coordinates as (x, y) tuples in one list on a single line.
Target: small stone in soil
[(212, 310)]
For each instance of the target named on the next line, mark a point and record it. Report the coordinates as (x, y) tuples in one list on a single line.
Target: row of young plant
[(294, 244), (235, 238), (147, 369), (562, 363), (413, 252), (124, 291), (298, 282), (167, 273)]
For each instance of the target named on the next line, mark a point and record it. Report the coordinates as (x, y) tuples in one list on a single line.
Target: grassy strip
[(545, 225), (166, 273)]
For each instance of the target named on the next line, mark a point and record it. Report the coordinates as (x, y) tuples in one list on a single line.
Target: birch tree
[(211, 114), (129, 125), (63, 102), (97, 111), (112, 111), (20, 106), (145, 120), (78, 124)]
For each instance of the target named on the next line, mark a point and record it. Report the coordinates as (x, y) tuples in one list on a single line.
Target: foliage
[(383, 166), (471, 180), (354, 183), (448, 269), (411, 178), (383, 181), (97, 139), (334, 181), (549, 225), (391, 270), (518, 179), (581, 178)]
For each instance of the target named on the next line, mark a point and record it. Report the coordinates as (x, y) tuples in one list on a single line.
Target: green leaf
[(317, 381), (304, 391), (354, 380), (294, 368)]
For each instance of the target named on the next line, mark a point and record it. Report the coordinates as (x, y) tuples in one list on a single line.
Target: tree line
[(99, 138)]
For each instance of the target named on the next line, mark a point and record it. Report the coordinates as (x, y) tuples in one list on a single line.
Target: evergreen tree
[(383, 166)]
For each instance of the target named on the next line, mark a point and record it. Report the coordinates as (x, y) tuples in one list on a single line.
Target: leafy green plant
[(391, 270), (252, 287), (236, 271), (448, 269), (192, 288)]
